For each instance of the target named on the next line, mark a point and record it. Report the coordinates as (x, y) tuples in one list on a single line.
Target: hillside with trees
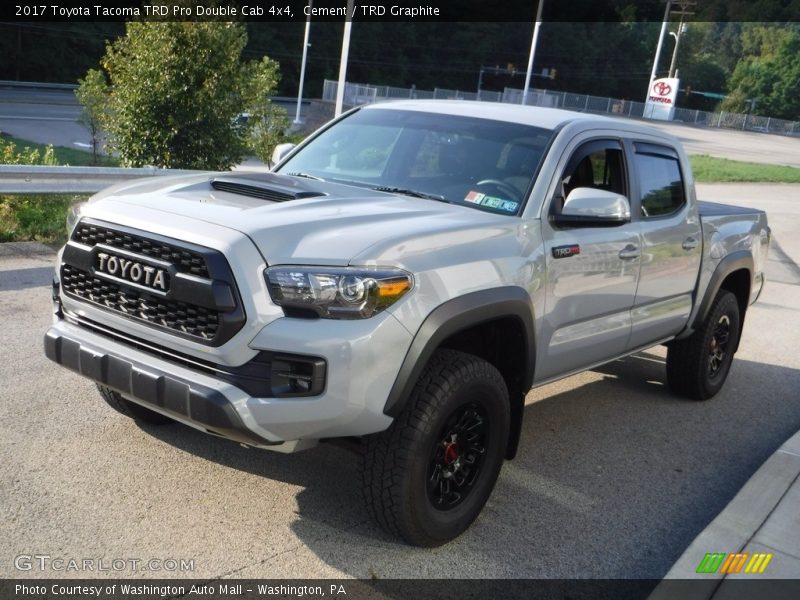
[(754, 63)]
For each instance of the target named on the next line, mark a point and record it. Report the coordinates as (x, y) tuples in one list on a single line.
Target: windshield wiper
[(409, 192), (306, 175)]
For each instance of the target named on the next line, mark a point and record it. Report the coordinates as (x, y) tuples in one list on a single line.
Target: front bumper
[(349, 405), (178, 395)]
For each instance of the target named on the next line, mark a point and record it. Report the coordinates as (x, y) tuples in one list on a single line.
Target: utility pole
[(303, 64), (673, 63), (533, 50), (348, 25), (685, 6)]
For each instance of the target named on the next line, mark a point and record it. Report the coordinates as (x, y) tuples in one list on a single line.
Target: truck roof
[(536, 116)]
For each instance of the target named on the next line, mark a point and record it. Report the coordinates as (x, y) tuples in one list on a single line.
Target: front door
[(592, 271)]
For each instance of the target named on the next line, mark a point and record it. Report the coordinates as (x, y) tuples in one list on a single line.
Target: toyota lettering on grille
[(131, 270)]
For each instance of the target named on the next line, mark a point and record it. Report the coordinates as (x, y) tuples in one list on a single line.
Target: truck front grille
[(185, 261), (198, 298), (178, 316)]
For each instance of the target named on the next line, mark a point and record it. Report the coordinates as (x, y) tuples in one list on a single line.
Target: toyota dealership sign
[(660, 103)]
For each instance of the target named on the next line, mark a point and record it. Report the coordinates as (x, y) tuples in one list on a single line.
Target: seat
[(520, 164), (582, 176)]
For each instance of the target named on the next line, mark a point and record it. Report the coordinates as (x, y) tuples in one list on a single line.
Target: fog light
[(294, 377)]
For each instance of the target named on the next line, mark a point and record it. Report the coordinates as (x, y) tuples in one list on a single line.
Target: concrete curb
[(763, 517)]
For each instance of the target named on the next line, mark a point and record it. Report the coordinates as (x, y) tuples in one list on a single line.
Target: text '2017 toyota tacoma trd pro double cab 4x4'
[(405, 276)]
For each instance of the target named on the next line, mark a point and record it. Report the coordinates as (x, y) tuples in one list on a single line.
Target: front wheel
[(428, 476), (698, 365)]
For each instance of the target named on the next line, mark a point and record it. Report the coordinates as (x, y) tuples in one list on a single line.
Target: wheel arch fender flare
[(457, 315), (735, 261)]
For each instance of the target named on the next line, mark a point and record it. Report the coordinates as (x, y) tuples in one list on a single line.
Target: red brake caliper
[(450, 453)]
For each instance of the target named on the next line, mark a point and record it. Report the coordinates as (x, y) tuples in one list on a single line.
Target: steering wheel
[(506, 188)]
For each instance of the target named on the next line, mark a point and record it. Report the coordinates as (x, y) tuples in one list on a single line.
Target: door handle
[(630, 251), (689, 244)]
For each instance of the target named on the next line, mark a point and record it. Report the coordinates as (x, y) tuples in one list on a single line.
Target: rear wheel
[(698, 366), (429, 475), (131, 409)]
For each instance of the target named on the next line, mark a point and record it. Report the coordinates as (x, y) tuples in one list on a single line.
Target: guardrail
[(26, 179)]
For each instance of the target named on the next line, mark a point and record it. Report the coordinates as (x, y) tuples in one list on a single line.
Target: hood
[(299, 221)]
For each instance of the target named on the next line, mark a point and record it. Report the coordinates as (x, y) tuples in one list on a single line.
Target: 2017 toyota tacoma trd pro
[(405, 276)]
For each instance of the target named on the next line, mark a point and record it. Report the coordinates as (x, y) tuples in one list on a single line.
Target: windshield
[(480, 163)]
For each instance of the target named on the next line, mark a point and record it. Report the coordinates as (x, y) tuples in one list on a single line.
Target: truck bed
[(716, 209)]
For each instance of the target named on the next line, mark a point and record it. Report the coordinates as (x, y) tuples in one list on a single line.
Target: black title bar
[(402, 10), (395, 589)]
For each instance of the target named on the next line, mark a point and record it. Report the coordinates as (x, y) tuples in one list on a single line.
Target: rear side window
[(660, 182)]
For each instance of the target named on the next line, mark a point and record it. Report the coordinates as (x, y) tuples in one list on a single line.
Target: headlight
[(336, 293), (74, 215)]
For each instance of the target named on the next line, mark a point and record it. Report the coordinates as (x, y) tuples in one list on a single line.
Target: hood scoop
[(265, 186)]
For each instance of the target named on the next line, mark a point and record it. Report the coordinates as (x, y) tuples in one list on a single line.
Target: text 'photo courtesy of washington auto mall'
[(328, 298)]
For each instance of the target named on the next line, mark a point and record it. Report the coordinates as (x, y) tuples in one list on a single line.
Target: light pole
[(303, 64), (660, 42), (533, 51), (348, 24)]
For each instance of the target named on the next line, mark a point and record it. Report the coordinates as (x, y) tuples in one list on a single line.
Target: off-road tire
[(131, 409), (454, 429), (698, 366)]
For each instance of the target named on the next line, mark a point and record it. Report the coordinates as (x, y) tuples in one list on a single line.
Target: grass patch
[(35, 218), (42, 217), (63, 155), (708, 169)]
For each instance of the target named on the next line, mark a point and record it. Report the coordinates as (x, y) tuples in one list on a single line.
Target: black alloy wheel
[(698, 365), (427, 477), (457, 457)]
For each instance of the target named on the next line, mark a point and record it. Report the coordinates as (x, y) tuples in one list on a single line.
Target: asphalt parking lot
[(615, 476)]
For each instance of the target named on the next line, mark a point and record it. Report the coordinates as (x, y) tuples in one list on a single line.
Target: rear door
[(666, 213)]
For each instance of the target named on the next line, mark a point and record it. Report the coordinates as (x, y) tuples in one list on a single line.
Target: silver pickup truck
[(402, 279)]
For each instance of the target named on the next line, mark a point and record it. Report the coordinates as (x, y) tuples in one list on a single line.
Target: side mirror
[(281, 151), (590, 207)]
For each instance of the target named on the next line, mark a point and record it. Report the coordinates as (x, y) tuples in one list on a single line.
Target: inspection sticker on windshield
[(491, 202)]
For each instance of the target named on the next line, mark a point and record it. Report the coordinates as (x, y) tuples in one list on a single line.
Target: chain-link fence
[(357, 93)]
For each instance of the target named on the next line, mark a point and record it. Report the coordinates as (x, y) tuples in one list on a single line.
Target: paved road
[(615, 476), (43, 116)]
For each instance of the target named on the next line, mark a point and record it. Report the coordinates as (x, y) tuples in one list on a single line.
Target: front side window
[(660, 183), (595, 164), (478, 163), (601, 169)]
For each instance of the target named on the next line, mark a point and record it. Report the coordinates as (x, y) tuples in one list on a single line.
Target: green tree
[(177, 90), (92, 93), (266, 123), (766, 80)]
